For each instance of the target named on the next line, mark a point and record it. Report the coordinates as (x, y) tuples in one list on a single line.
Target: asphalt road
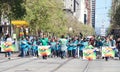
[(33, 64)]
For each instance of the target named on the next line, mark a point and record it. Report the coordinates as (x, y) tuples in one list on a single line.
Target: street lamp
[(70, 29)]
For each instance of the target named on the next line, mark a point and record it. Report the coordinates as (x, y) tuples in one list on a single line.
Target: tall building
[(88, 7), (82, 10), (93, 8)]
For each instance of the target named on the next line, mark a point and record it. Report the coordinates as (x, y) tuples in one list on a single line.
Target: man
[(63, 44), (44, 42)]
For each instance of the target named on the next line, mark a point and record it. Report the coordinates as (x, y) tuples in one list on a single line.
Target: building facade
[(82, 10), (88, 9), (76, 8)]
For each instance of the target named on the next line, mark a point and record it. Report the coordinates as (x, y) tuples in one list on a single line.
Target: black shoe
[(102, 57), (106, 58), (9, 58)]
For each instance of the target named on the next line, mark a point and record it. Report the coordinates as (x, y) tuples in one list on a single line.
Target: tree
[(46, 15), (115, 13), (14, 9), (78, 27), (116, 18)]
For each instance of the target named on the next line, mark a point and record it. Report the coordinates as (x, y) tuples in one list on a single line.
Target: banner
[(89, 54), (108, 51), (44, 50), (8, 46)]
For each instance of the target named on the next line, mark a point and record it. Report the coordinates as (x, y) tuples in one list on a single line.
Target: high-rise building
[(88, 7), (93, 8)]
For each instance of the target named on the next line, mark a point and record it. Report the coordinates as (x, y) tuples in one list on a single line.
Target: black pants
[(74, 53), (81, 53), (69, 53), (57, 53), (44, 56), (36, 53), (62, 54)]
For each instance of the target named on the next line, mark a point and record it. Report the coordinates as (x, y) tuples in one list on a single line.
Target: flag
[(89, 54), (108, 52), (44, 50)]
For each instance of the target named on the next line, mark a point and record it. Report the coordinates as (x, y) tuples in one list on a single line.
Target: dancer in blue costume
[(44, 41), (70, 47), (23, 47), (34, 47), (75, 43), (81, 47), (53, 46), (63, 44)]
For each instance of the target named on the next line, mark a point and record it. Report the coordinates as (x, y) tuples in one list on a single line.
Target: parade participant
[(29, 45), (57, 52), (53, 47), (34, 47), (23, 47), (81, 47), (90, 46), (106, 44), (112, 42), (118, 47), (85, 42), (75, 42), (8, 42), (44, 42), (92, 40), (98, 47), (63, 43), (69, 48)]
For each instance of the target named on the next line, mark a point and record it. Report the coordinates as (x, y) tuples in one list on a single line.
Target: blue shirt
[(53, 45)]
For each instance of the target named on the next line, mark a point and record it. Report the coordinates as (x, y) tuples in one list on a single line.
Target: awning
[(19, 23)]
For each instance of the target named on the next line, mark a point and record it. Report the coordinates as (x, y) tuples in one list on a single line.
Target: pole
[(78, 51)]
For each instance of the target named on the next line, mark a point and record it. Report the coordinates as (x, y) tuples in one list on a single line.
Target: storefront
[(20, 28)]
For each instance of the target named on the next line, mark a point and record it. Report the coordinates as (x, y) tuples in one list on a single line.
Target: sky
[(102, 10)]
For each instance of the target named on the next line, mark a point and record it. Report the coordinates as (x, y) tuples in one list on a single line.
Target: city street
[(58, 35), (32, 64)]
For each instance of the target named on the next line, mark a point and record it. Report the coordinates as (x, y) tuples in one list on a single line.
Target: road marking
[(61, 65), (9, 60), (86, 67), (17, 65)]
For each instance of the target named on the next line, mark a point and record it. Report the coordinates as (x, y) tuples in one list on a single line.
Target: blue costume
[(53, 47), (74, 48), (23, 47), (70, 47), (34, 48)]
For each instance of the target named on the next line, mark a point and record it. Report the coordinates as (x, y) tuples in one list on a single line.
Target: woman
[(8, 43), (106, 44)]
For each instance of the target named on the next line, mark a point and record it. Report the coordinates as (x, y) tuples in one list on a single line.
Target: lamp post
[(70, 30)]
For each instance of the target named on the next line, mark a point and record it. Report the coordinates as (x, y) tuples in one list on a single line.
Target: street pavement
[(33, 64)]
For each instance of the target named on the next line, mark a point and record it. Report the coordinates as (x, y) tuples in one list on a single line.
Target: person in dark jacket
[(118, 47)]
